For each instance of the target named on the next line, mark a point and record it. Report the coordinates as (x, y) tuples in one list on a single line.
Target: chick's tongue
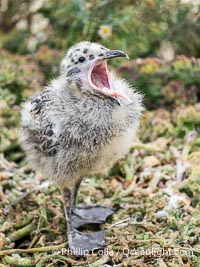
[(114, 93)]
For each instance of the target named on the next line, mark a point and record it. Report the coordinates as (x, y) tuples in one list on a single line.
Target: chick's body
[(70, 133)]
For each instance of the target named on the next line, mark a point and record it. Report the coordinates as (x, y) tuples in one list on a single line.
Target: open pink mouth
[(99, 79), (99, 76)]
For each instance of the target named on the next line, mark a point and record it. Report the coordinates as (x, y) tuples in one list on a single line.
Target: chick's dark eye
[(81, 59)]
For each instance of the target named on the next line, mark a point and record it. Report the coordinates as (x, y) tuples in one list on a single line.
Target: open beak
[(100, 78)]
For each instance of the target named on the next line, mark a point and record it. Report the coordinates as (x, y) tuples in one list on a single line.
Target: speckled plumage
[(70, 131), (82, 123)]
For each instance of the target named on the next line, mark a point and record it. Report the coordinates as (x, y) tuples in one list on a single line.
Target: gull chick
[(79, 125)]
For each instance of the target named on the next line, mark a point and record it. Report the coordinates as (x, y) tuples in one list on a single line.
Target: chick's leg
[(68, 206), (75, 192), (79, 242)]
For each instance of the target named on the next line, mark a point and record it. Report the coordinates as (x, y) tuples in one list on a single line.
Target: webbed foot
[(81, 243), (90, 214)]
